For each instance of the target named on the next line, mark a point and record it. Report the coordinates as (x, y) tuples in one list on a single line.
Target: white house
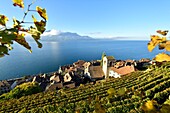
[(86, 68), (67, 77), (114, 74)]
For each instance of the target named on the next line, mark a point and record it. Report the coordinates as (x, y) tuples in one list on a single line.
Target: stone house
[(70, 84), (54, 86)]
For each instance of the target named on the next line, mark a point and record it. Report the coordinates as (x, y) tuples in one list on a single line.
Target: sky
[(132, 19)]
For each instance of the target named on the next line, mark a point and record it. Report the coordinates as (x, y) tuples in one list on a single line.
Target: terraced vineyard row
[(130, 92)]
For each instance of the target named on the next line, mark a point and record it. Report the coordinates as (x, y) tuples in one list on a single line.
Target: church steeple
[(103, 55)]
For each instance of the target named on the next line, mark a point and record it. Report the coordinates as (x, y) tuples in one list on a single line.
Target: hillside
[(114, 95)]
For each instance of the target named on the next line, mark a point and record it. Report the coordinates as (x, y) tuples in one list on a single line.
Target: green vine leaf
[(16, 23), (21, 40), (3, 50), (39, 25), (8, 35), (3, 20), (17, 32)]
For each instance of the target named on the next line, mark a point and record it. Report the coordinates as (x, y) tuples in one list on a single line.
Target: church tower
[(104, 65)]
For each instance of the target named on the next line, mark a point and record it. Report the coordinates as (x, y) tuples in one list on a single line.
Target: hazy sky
[(101, 18)]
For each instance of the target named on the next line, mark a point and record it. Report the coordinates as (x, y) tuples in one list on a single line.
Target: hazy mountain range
[(61, 36), (54, 35)]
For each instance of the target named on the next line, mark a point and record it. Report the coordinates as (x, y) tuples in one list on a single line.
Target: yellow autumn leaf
[(19, 3), (149, 106), (164, 33), (164, 39), (151, 46), (162, 57), (42, 12), (167, 47), (3, 20), (162, 46), (111, 91), (99, 108), (155, 40), (121, 91)]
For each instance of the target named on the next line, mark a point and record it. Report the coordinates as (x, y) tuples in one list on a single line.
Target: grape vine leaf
[(167, 47), (42, 12), (149, 106), (121, 91), (162, 45), (99, 108), (16, 23), (7, 36), (19, 3), (36, 35), (111, 91), (39, 25), (21, 40), (165, 108), (3, 50), (162, 57), (164, 33), (155, 40), (3, 20)]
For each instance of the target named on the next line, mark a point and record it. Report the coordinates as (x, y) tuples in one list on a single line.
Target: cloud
[(51, 32)]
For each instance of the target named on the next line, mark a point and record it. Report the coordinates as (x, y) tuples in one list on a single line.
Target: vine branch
[(28, 10)]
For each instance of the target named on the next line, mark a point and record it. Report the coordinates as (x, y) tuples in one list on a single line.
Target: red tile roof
[(123, 70), (79, 63)]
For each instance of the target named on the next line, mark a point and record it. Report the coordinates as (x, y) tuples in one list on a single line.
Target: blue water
[(55, 54)]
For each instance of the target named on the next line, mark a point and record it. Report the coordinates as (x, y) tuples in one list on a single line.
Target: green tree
[(24, 90), (18, 31)]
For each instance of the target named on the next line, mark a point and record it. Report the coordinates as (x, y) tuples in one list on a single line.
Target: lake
[(54, 54)]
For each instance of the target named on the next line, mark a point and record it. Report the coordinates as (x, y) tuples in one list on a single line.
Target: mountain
[(64, 36)]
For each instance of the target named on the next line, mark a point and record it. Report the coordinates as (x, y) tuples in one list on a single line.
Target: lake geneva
[(54, 54)]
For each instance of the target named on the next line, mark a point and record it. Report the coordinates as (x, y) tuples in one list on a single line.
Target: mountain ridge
[(65, 36)]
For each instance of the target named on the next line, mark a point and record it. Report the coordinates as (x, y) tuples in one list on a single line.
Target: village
[(80, 72)]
